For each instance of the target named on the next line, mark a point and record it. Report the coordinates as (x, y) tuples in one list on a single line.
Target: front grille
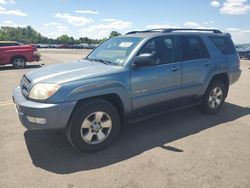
[(25, 86)]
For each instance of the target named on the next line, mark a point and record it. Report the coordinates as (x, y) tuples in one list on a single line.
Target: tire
[(18, 62), (89, 128), (214, 98)]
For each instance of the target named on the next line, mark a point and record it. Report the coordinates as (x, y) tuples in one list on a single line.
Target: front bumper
[(56, 115), (35, 58)]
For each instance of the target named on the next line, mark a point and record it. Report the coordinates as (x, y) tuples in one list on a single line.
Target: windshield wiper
[(100, 60)]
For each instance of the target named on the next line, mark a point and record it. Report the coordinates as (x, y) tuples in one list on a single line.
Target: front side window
[(193, 48), (9, 44), (162, 48), (115, 50)]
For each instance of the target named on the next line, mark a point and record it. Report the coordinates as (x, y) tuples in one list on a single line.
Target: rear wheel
[(19, 62), (214, 97), (93, 126)]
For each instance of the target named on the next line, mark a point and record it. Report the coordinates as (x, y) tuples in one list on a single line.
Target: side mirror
[(143, 60)]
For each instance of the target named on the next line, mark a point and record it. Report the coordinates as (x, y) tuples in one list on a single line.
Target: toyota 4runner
[(127, 79)]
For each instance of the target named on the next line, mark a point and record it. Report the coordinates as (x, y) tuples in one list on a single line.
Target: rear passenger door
[(195, 64)]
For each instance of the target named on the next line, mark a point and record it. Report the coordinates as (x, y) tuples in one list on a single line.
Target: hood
[(66, 72)]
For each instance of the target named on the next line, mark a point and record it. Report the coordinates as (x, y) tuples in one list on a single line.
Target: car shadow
[(52, 152), (4, 68)]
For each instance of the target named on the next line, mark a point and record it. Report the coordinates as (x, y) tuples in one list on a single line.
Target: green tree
[(65, 39), (28, 35), (24, 35), (114, 34)]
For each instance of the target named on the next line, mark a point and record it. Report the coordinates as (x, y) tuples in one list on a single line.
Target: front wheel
[(214, 98), (19, 63), (93, 126)]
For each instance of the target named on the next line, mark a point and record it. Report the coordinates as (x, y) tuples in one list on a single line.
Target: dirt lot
[(180, 149)]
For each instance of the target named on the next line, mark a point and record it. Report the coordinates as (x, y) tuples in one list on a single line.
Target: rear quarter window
[(224, 44)]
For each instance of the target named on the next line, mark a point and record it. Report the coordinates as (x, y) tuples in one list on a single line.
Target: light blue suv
[(126, 79)]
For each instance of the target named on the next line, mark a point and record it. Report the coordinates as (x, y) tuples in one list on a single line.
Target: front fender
[(102, 88)]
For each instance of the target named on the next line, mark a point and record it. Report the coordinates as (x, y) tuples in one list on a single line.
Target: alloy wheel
[(96, 127), (215, 98), (19, 63)]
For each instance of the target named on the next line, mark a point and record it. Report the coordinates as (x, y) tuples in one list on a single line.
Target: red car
[(18, 55)]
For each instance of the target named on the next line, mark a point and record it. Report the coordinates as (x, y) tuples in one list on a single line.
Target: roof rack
[(169, 30), (146, 31), (187, 29)]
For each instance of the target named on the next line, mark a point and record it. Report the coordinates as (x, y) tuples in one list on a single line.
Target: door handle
[(175, 68), (207, 63)]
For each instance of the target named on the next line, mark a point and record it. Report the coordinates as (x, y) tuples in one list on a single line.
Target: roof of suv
[(179, 31)]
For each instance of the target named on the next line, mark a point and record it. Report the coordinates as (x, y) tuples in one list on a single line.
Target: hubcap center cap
[(96, 126)]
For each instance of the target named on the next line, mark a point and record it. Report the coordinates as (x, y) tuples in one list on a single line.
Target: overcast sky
[(97, 18)]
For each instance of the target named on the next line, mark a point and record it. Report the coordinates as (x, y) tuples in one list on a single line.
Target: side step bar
[(147, 114)]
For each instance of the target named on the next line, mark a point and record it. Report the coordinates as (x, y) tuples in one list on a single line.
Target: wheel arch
[(17, 56), (112, 98), (221, 77)]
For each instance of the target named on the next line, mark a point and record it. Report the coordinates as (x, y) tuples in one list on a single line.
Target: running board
[(147, 114)]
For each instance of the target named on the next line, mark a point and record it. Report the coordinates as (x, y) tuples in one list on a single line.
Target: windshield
[(115, 50)]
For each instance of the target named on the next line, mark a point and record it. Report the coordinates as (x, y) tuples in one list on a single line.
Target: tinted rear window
[(224, 44), (192, 48)]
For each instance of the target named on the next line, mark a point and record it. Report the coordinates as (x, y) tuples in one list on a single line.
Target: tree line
[(29, 35)]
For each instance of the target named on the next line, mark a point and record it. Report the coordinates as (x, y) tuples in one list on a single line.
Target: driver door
[(161, 81)]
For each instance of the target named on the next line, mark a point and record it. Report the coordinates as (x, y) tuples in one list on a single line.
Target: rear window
[(224, 44), (193, 48)]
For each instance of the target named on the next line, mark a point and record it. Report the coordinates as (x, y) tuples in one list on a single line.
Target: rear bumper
[(56, 115), (234, 75)]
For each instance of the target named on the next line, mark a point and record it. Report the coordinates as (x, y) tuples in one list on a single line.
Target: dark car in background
[(244, 52), (68, 46)]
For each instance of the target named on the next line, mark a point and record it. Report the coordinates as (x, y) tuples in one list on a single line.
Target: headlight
[(36, 53), (43, 91)]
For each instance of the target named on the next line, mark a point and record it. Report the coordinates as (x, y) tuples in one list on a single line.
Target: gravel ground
[(180, 149)]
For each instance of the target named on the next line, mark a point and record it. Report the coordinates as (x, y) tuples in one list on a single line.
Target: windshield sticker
[(120, 61), (126, 44)]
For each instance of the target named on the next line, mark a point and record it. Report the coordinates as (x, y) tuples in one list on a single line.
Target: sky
[(97, 18)]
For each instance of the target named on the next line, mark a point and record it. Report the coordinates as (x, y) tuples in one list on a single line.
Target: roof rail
[(146, 31), (169, 30), (132, 32)]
